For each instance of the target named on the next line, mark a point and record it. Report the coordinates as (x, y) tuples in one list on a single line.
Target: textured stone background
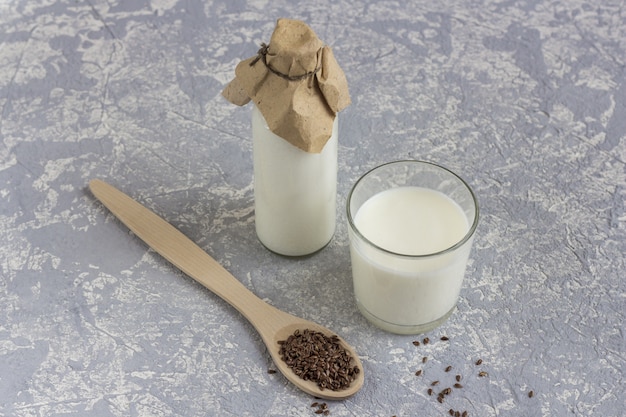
[(524, 99)]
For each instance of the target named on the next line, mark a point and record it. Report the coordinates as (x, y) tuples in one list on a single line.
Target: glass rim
[(452, 248)]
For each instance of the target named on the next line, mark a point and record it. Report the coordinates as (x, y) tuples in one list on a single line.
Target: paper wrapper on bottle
[(296, 83)]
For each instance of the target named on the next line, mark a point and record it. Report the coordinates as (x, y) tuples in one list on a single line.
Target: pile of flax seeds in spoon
[(313, 356)]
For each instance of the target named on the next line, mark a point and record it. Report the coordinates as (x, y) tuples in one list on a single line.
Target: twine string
[(262, 56)]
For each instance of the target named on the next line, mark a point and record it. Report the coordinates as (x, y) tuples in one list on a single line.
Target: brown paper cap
[(296, 83)]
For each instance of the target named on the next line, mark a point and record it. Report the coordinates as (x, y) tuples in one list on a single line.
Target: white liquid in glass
[(409, 290)]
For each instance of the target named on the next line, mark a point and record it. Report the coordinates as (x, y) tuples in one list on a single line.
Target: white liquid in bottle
[(294, 192)]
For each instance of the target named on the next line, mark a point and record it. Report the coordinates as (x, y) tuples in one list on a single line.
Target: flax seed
[(448, 368), (416, 343), (482, 373), (426, 340), (434, 383), (457, 385), (313, 356), (424, 359), (418, 372), (479, 361), (444, 338), (458, 378), (531, 394)]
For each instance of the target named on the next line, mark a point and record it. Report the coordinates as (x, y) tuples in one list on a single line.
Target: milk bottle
[(297, 88)]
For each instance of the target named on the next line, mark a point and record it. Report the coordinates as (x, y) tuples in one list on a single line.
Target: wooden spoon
[(272, 324)]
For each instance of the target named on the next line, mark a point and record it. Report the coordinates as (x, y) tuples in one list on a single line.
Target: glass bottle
[(294, 191)]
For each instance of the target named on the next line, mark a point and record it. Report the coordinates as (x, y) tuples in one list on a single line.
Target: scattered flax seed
[(322, 408), (531, 394), (441, 395), (271, 371), (315, 357)]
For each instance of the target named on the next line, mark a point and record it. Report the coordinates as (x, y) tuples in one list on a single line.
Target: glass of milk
[(411, 227)]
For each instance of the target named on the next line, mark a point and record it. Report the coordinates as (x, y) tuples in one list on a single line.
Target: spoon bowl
[(272, 324)]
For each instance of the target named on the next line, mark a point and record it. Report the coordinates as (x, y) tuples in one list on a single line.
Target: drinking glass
[(409, 248)]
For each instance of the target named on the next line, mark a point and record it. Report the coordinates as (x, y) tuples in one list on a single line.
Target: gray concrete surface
[(524, 99)]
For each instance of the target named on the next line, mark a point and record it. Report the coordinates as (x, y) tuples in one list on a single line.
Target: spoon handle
[(174, 246)]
